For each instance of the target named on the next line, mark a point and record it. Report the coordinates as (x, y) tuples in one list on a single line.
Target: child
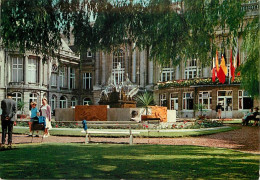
[(34, 113)]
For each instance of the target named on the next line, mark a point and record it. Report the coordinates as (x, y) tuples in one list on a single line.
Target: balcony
[(251, 8)]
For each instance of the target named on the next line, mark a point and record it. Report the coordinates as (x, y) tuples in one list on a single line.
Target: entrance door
[(225, 99), (174, 104)]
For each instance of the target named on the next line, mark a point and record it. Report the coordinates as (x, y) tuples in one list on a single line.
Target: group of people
[(251, 115), (8, 107)]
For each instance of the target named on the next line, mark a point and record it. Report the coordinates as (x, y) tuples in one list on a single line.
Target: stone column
[(97, 69), (40, 71), (25, 68), (150, 73), (177, 73), (68, 77), (103, 68), (142, 68)]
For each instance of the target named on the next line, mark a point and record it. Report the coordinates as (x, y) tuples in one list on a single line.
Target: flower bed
[(189, 82)]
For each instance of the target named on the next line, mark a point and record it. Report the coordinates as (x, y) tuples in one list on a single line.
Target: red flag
[(213, 72), (221, 75), (232, 68)]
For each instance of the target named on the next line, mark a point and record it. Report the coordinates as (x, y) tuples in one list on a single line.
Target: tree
[(250, 73), (171, 30)]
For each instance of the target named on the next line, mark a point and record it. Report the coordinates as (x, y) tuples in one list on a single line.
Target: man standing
[(8, 107)]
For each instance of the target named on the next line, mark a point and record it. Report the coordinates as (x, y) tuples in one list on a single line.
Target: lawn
[(78, 161), (75, 132)]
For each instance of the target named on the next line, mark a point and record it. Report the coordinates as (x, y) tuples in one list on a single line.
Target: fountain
[(119, 94)]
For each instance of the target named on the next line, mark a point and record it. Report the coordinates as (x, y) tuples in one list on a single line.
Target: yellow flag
[(223, 65)]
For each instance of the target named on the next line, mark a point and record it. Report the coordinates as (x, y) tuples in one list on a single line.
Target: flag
[(223, 65), (232, 68), (217, 68), (221, 76), (213, 71)]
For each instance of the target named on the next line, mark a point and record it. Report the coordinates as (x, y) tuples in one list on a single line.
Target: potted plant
[(20, 108), (144, 100)]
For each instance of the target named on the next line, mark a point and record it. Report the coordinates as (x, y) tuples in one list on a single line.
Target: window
[(54, 79), (163, 101), (244, 100), (17, 69), (32, 70), (72, 78), (63, 77), (205, 99), (118, 71), (33, 98), (167, 74), (191, 71), (87, 81), (86, 101), (17, 97), (73, 101), (89, 54), (187, 101), (53, 102), (63, 102)]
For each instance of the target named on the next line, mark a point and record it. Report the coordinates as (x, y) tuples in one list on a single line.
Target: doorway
[(225, 99)]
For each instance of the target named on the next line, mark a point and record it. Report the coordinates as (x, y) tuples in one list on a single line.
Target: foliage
[(20, 105), (197, 81), (169, 30), (144, 99), (250, 72)]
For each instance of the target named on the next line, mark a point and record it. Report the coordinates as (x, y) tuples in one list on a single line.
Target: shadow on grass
[(75, 161)]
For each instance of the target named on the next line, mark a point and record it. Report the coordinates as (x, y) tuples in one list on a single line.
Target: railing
[(251, 8)]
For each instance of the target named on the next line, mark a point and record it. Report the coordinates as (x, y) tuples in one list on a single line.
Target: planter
[(21, 116)]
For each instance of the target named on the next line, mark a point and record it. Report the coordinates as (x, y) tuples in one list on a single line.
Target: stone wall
[(66, 114), (91, 113)]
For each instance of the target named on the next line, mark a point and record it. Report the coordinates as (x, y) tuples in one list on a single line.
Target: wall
[(67, 114)]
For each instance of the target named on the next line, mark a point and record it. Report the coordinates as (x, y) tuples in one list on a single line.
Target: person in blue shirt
[(34, 114)]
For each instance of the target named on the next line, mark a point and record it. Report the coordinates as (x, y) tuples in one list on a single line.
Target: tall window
[(17, 69), (73, 101), (118, 70), (191, 71), (54, 79), (167, 74), (87, 79), (205, 99), (187, 101), (17, 97), (32, 70), (63, 102), (89, 54), (33, 98), (163, 101), (53, 102), (63, 77), (244, 100), (72, 78)]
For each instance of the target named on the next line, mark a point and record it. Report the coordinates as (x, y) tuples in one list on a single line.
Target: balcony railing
[(252, 8)]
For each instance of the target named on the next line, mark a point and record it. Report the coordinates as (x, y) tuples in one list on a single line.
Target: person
[(251, 117), (34, 115), (45, 111), (218, 110), (8, 107), (256, 119), (245, 118)]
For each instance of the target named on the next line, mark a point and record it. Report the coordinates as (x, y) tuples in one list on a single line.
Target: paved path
[(245, 139)]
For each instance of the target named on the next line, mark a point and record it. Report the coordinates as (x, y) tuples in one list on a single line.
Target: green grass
[(233, 122), (79, 161), (69, 132)]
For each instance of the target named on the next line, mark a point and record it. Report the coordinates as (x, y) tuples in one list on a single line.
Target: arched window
[(33, 98), (74, 101), (63, 102), (86, 101), (118, 70), (53, 102)]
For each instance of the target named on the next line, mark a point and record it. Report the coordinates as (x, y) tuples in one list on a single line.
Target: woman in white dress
[(45, 110)]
